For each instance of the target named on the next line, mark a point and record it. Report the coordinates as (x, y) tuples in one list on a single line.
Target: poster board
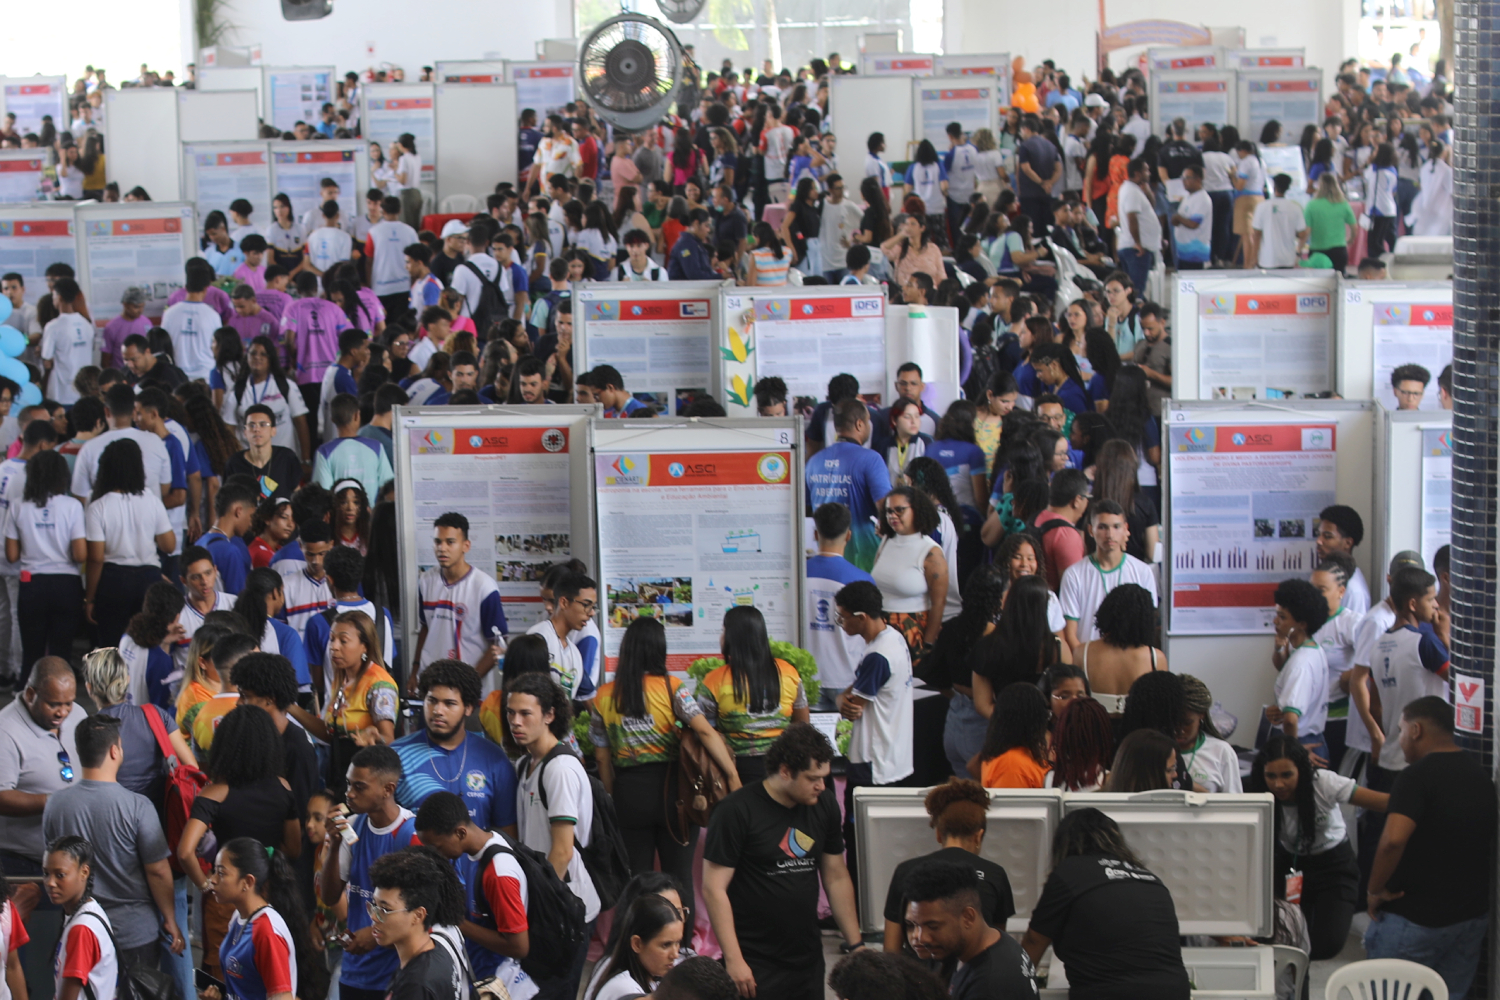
[(21, 175), (1384, 324), (140, 243), (148, 115), (33, 237), (995, 65), (297, 94), (218, 115), (659, 336), (31, 97), (514, 472), (1194, 95), (250, 77), (694, 517), (927, 336), (469, 71), (1184, 57), (1413, 487), (898, 64), (1294, 97), (1253, 334), (937, 100), (544, 87), (866, 104), (1226, 639), (298, 167), (1284, 159), (803, 335), (470, 160), (1266, 58), (389, 109), (216, 173)]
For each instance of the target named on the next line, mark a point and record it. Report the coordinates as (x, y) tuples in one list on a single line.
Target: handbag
[(144, 982), (701, 785)]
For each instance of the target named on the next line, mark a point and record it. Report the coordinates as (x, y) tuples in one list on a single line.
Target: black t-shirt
[(1177, 155), (774, 852), (1452, 800), (1000, 972), (299, 767), (993, 659), (1115, 927), (431, 975), (259, 809), (995, 899), (1142, 516), (870, 222), (279, 477)]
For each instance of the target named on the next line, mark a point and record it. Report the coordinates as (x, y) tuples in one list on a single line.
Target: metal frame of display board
[(519, 73), (1358, 302), (1407, 505), (641, 293), (411, 421)]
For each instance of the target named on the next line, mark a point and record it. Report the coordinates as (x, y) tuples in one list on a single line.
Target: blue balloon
[(15, 371), (5, 310), (31, 394), (12, 341)]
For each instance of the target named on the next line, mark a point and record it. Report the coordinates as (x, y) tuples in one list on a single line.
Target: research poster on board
[(21, 176), (29, 245), (1243, 499), (387, 118), (1411, 333), (299, 174), (222, 175), (298, 95), (662, 347), (30, 100), (1255, 345), (971, 104), (144, 252), (685, 536), (805, 341), (512, 485), (900, 65), (546, 88), (1292, 102), (1194, 101), (1437, 490)]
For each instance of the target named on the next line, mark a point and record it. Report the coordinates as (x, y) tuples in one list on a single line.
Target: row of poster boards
[(1244, 98), (995, 65), (676, 519), (908, 109), (217, 173)]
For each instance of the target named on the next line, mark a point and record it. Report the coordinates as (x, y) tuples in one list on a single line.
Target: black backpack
[(491, 307), (554, 914), (605, 858)]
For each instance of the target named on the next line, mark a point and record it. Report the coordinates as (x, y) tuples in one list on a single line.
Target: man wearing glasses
[(37, 757), (1409, 383), (275, 469), (575, 598)]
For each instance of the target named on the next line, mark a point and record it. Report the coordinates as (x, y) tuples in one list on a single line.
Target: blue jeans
[(1452, 952), (180, 967), (1138, 264), (963, 736)]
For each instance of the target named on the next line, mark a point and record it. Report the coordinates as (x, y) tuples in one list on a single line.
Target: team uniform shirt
[(962, 164), (46, 535), (177, 455), (643, 739), (12, 936), (153, 453), (67, 342), (119, 519), (962, 461), (626, 272), (317, 324), (566, 661), (201, 721), (86, 952), (150, 674), (386, 247), (305, 596), (1408, 663), (191, 326), (354, 458), (373, 699), (1086, 584), (1330, 790), (278, 637), (286, 405), (502, 884), (881, 735), (215, 298), (191, 620), (1376, 623), (1278, 220), (835, 651), (115, 331), (1302, 687), (856, 477), (12, 485), (336, 379), (748, 732), (1337, 639), (319, 631), (477, 771), (262, 324), (925, 182), (1214, 765), (1193, 243), (258, 956), (463, 619), (466, 283), (569, 798), (425, 291), (255, 277), (1357, 593), (273, 301), (231, 558), (374, 969), (328, 246), (426, 392)]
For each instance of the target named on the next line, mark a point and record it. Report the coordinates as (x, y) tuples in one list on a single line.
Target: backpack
[(554, 914), (183, 785), (622, 273), (144, 982), (492, 306), (605, 858)]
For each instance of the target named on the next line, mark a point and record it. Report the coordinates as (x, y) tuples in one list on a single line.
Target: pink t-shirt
[(274, 301), (317, 323), (262, 324), (256, 276), (215, 298), (1063, 546), (370, 309), (115, 332)]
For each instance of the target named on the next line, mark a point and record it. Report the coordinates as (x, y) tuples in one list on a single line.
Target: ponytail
[(276, 883)]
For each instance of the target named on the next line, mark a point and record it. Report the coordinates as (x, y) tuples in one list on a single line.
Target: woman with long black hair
[(266, 944), (634, 729), (262, 381), (801, 225), (126, 530), (646, 951), (947, 665), (754, 696), (1022, 646)]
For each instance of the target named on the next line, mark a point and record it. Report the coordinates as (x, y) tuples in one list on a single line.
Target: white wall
[(1064, 30), (403, 35)]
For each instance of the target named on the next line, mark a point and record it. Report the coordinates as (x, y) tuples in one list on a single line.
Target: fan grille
[(680, 11), (630, 68)]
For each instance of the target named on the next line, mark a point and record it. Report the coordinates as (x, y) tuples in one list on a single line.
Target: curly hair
[(148, 626), (1020, 719), (924, 515), (869, 974), (548, 695), (798, 748), (1082, 740), (958, 808), (1157, 700), (246, 748), (454, 674), (1303, 602), (266, 675), (927, 475), (1012, 545), (1127, 617)]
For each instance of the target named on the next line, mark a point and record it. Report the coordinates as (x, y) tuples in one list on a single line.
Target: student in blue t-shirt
[(234, 508), (828, 572), (1058, 371), (955, 449), (847, 472)]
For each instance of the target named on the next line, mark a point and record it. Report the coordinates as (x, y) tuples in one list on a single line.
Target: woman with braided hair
[(86, 960)]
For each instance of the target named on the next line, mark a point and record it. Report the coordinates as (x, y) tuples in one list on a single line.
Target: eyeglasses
[(897, 511), (378, 913), (588, 606), (67, 765), (259, 426)]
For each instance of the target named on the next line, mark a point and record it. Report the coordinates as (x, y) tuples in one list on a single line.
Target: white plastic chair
[(459, 203), (1385, 979), (1297, 959)]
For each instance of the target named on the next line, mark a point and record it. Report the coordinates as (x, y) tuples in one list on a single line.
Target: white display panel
[(898, 64), (928, 337), (21, 175), (1293, 97), (34, 237), (1383, 325), (298, 168), (470, 160), (996, 65), (865, 104), (545, 87), (148, 117), (218, 115), (31, 97), (1413, 487), (514, 473), (217, 173), (1194, 95), (1266, 59), (142, 244), (469, 71), (938, 100), (297, 94), (250, 77), (1284, 159), (694, 518), (390, 109), (659, 337)]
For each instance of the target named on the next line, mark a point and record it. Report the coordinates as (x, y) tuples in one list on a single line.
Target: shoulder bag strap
[(160, 732)]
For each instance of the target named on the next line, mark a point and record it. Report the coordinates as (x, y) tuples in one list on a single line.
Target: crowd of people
[(209, 503)]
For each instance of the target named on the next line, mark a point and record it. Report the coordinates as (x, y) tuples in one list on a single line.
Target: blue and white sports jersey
[(151, 674), (191, 620), (477, 771), (279, 638), (463, 619), (320, 630), (374, 969), (305, 597)]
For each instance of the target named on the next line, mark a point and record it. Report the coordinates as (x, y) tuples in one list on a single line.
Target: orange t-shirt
[(1015, 768)]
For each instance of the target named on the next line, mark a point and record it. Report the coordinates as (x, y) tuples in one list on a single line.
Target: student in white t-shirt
[(880, 696), (329, 244), (67, 342), (1279, 228), (192, 322), (1210, 760), (1339, 528), (640, 266), (1087, 582), (1300, 705), (574, 599), (1339, 639), (385, 255), (1410, 661), (44, 534), (85, 963)]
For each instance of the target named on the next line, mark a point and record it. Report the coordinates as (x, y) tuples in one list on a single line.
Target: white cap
[(453, 227), (1095, 101)]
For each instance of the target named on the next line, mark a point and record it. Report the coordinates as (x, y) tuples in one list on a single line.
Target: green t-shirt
[(1326, 221)]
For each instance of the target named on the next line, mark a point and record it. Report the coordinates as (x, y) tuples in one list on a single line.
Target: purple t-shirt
[(275, 301), (370, 309), (317, 323), (115, 332), (213, 297), (261, 324), (256, 276)]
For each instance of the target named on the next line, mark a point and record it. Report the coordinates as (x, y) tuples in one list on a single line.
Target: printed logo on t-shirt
[(475, 781), (796, 844)]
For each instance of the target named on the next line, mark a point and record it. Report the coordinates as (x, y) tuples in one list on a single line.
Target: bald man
[(38, 756)]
